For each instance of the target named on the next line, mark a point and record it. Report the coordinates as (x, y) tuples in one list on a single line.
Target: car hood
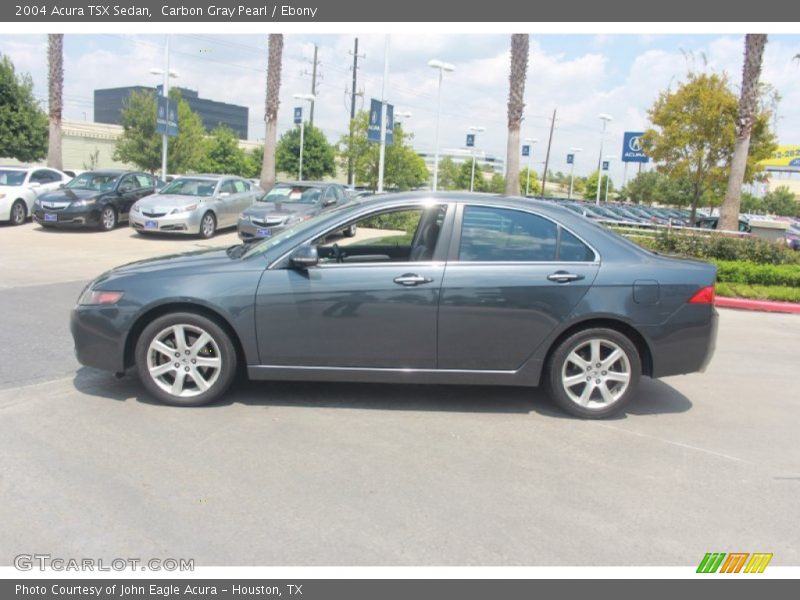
[(169, 200), (200, 261), (69, 195), (263, 209)]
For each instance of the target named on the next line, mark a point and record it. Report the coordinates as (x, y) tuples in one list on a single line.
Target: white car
[(20, 186)]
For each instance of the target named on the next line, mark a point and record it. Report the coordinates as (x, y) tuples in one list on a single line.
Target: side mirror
[(328, 201), (305, 256)]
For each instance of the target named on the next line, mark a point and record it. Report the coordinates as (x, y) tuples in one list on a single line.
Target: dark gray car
[(287, 204), (438, 288)]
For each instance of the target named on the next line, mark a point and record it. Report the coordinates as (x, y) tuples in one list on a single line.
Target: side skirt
[(528, 375)]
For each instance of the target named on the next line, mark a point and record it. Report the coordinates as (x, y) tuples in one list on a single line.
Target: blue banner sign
[(605, 165), (298, 115), (166, 117), (470, 140), (374, 126), (526, 150), (570, 159)]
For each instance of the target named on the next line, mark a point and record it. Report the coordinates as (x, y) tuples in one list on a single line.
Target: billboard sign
[(632, 147), (374, 126)]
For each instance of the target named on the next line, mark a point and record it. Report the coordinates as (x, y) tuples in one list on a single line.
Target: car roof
[(307, 183)]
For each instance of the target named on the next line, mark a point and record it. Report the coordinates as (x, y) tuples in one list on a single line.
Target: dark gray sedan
[(438, 288), (286, 204)]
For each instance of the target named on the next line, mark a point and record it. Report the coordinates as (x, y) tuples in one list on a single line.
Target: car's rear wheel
[(108, 218), (594, 373), (208, 226), (19, 212), (185, 359)]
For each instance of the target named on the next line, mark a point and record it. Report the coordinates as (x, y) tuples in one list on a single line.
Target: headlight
[(82, 203), (95, 297), (244, 217), (182, 209), (136, 208)]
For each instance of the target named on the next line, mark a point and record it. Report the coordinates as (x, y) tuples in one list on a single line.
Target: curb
[(760, 305)]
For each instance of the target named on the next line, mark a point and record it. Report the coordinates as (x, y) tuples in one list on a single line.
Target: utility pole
[(313, 85), (350, 174), (547, 156)]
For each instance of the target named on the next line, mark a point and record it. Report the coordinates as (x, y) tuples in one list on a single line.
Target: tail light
[(704, 295)]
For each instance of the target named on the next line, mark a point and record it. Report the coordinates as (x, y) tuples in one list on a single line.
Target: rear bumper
[(685, 343)]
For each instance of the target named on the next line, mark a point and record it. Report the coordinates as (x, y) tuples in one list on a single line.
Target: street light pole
[(608, 174), (382, 155), (472, 177), (605, 119), (574, 152), (442, 66), (531, 141), (310, 98), (165, 93)]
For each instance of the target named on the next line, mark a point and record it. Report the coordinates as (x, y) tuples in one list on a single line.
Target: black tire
[(19, 213), (191, 322), (350, 231), (561, 368), (108, 218), (208, 226)]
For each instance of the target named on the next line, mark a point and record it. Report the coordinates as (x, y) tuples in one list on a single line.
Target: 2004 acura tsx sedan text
[(436, 288)]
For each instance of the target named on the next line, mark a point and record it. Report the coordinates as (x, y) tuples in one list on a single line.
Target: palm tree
[(55, 61), (272, 103), (516, 104), (748, 107)]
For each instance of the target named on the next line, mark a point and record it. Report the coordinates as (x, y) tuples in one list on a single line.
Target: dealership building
[(109, 103)]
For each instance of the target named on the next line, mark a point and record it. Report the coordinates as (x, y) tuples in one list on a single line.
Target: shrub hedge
[(755, 274), (719, 247)]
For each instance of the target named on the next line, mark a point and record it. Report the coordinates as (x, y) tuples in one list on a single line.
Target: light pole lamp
[(310, 98), (605, 119), (475, 129), (441, 67), (574, 152), (530, 141), (166, 73)]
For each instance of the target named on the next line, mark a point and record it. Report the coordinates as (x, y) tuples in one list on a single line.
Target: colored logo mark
[(735, 562)]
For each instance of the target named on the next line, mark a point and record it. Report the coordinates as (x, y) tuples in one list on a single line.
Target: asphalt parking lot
[(345, 474)]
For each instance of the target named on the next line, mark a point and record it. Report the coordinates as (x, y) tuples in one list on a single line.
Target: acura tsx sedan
[(459, 288)]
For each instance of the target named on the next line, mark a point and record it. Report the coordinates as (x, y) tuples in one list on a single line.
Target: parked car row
[(188, 205), (631, 213)]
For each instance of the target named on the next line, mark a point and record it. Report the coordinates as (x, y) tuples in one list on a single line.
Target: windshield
[(190, 187), (301, 194), (101, 182), (296, 231), (11, 177)]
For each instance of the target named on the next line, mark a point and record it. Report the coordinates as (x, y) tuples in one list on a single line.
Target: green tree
[(255, 158), (643, 189), (140, 145), (465, 176), (23, 123), (222, 154), (752, 204), (589, 188), (694, 134), (781, 201), (319, 157), (404, 169), (535, 182), (448, 172), (497, 184)]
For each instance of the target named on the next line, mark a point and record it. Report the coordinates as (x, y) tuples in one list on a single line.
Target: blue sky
[(580, 75)]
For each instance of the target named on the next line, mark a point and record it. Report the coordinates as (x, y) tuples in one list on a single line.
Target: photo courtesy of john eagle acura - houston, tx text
[(479, 290)]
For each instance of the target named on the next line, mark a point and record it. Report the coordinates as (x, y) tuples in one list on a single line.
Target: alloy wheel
[(207, 226), (109, 218), (596, 373), (18, 213), (184, 360)]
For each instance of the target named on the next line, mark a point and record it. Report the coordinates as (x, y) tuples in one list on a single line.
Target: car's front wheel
[(108, 218), (19, 212), (208, 226), (185, 359), (594, 373)]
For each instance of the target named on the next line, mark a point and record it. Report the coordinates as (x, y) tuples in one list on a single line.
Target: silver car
[(194, 205)]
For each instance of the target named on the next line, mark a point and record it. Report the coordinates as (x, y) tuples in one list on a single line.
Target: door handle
[(564, 277), (410, 279)]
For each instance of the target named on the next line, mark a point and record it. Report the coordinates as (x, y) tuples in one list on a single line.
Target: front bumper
[(249, 231), (88, 216), (183, 223), (98, 333)]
